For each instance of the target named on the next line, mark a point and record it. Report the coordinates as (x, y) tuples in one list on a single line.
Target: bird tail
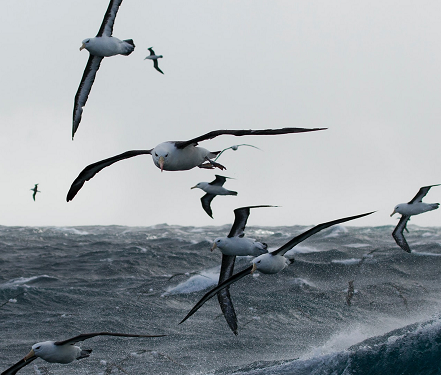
[(434, 206), (130, 48), (84, 353)]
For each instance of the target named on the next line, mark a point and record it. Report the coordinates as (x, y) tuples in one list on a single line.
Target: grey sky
[(369, 71)]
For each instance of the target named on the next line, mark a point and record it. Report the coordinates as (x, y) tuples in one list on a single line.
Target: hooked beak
[(214, 246), (393, 213), (161, 163), (254, 268), (29, 355), (82, 46)]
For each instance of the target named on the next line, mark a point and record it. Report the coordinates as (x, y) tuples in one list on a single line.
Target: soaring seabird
[(234, 148), (176, 155), (103, 45), (62, 351), (269, 263), (415, 207), (212, 189), (35, 190), (155, 58)]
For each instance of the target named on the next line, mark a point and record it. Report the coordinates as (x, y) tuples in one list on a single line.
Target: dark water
[(58, 282)]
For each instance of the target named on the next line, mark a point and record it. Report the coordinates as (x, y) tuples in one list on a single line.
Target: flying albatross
[(155, 58), (234, 148), (35, 190), (103, 45), (212, 189), (176, 155), (269, 263), (62, 351), (415, 207)]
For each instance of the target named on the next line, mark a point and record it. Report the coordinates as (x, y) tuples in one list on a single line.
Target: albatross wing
[(19, 365), (92, 169), (421, 194), (92, 66), (398, 235), (223, 296), (206, 200), (106, 28), (238, 133), (240, 220), (86, 336)]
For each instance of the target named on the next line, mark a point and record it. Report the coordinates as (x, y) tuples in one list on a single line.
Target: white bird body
[(175, 159), (213, 189), (154, 57), (105, 46), (415, 208), (55, 353), (270, 264), (239, 246)]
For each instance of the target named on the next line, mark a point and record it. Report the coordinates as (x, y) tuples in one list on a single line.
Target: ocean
[(58, 282)]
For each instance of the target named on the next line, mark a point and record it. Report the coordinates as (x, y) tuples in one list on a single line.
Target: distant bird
[(35, 190), (212, 189), (103, 45), (62, 351), (415, 207), (234, 148), (155, 58), (176, 155), (269, 263)]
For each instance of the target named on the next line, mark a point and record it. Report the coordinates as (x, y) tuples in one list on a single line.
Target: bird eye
[(258, 261), (156, 154), (166, 155), (38, 347), (88, 40)]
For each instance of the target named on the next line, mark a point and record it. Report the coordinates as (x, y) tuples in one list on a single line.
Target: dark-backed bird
[(414, 207), (35, 190), (103, 45), (234, 148), (155, 58), (62, 351), (212, 189), (176, 155), (269, 263)]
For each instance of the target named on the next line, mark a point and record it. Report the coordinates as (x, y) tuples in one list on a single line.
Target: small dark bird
[(155, 58), (35, 191)]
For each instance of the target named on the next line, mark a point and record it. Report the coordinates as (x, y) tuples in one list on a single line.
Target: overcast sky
[(369, 71)]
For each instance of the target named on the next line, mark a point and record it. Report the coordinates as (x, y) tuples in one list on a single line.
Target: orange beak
[(214, 246), (29, 355), (161, 163)]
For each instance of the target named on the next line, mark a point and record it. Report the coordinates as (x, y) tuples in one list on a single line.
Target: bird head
[(84, 44), (218, 244), (161, 155), (38, 349), (397, 210)]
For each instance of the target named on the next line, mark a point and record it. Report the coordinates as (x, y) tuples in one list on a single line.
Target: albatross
[(234, 148), (155, 58), (212, 189), (414, 207), (269, 263), (62, 351), (176, 155), (103, 45), (35, 190)]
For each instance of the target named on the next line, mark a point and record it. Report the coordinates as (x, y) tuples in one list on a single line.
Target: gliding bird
[(269, 263), (212, 189), (35, 191), (155, 58), (234, 148), (176, 155), (62, 351), (103, 45), (415, 207)]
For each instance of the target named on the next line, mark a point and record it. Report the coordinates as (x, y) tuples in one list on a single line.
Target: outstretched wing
[(398, 235), (302, 237), (217, 289), (92, 66), (240, 220), (92, 169), (155, 64), (19, 365), (239, 133), (86, 336), (106, 28), (223, 296), (421, 194), (218, 181), (206, 200)]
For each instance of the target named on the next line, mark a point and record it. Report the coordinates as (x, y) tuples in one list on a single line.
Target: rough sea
[(56, 283)]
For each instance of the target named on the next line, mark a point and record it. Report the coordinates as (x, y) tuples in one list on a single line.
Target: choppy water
[(58, 282)]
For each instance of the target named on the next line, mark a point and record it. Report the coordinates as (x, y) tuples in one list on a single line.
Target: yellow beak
[(194, 187), (82, 46), (254, 268), (29, 355), (214, 246), (161, 163), (393, 213)]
